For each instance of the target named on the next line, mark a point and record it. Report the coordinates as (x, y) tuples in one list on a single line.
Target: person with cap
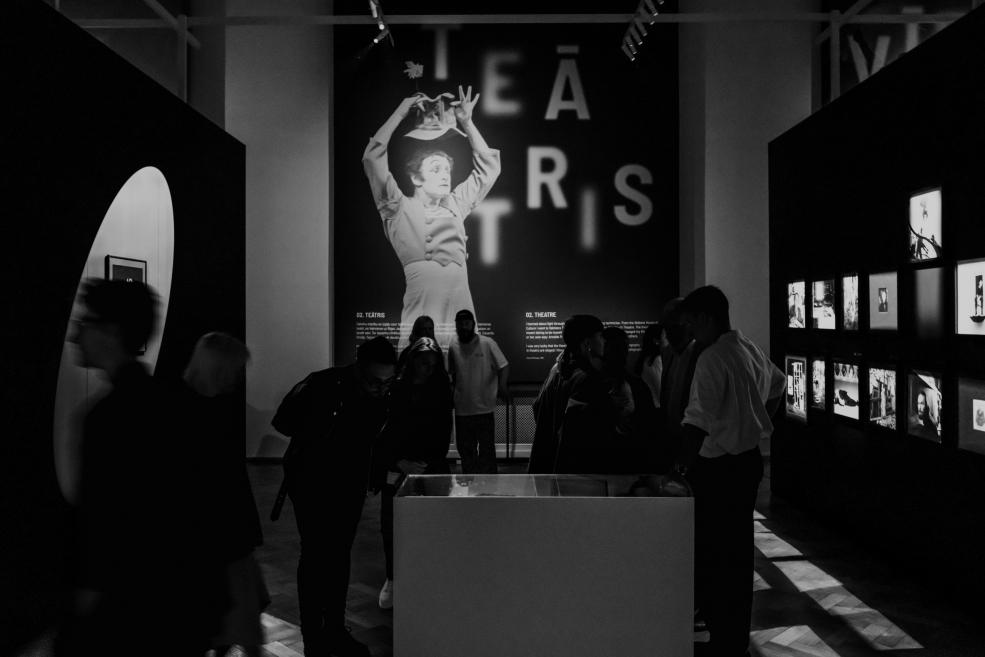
[(416, 437), (575, 374), (427, 228), (735, 392), (480, 373), (334, 418)]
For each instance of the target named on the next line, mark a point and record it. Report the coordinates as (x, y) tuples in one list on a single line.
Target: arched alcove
[(138, 226)]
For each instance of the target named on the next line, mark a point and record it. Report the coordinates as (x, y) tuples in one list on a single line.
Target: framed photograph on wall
[(796, 304), (883, 305), (849, 302), (823, 306), (845, 399), (925, 405), (969, 301), (971, 415), (882, 397), (925, 225), (126, 269), (819, 384), (797, 387)]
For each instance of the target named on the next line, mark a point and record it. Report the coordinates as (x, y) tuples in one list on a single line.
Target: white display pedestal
[(504, 567)]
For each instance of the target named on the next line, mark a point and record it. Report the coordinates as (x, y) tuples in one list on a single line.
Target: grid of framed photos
[(898, 387)]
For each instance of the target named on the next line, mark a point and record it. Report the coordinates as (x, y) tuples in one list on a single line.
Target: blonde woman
[(215, 377)]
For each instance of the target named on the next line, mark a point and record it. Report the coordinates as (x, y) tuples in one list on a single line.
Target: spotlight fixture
[(382, 35), (646, 14)]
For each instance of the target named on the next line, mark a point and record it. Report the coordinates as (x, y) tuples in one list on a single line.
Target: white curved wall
[(139, 224)]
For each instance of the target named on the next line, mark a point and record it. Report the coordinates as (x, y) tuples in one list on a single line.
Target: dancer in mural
[(427, 229)]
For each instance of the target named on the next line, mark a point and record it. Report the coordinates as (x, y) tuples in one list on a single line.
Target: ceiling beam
[(166, 16)]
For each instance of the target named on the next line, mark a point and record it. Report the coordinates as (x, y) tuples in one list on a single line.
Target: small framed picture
[(797, 387), (845, 400), (126, 269), (925, 225)]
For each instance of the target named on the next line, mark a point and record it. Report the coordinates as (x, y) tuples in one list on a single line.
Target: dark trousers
[(474, 438), (386, 512), (327, 520), (725, 491)]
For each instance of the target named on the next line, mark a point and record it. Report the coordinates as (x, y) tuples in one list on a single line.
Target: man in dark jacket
[(333, 418)]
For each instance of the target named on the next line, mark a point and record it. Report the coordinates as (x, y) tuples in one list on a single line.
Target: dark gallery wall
[(77, 122), (840, 186)]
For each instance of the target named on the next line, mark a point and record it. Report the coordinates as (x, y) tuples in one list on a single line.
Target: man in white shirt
[(479, 373), (735, 391)]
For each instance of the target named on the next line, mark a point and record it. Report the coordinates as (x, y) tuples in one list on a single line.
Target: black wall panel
[(840, 184), (76, 122)]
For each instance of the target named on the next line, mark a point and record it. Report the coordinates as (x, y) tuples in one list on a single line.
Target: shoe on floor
[(386, 595), (343, 645)]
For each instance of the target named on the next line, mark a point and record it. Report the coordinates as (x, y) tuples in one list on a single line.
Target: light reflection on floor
[(797, 641), (774, 547), (871, 626)]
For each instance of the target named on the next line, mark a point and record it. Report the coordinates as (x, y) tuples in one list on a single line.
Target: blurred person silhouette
[(416, 438), (149, 578), (334, 417), (215, 377)]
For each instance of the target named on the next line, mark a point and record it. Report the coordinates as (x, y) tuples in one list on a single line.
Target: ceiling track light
[(382, 35), (646, 14)]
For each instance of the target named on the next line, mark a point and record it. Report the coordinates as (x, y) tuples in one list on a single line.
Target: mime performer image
[(427, 229)]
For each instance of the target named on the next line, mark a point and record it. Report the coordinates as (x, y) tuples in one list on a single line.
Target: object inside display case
[(542, 485)]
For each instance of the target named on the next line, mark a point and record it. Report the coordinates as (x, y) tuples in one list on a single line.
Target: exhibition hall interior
[(428, 328)]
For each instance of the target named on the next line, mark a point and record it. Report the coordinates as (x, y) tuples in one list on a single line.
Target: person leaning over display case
[(333, 417), (735, 392), (415, 440), (427, 229)]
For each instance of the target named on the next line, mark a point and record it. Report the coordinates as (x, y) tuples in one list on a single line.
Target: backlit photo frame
[(883, 301), (849, 302), (797, 387), (796, 304), (845, 399), (925, 226), (882, 397), (823, 304), (969, 301), (925, 405)]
